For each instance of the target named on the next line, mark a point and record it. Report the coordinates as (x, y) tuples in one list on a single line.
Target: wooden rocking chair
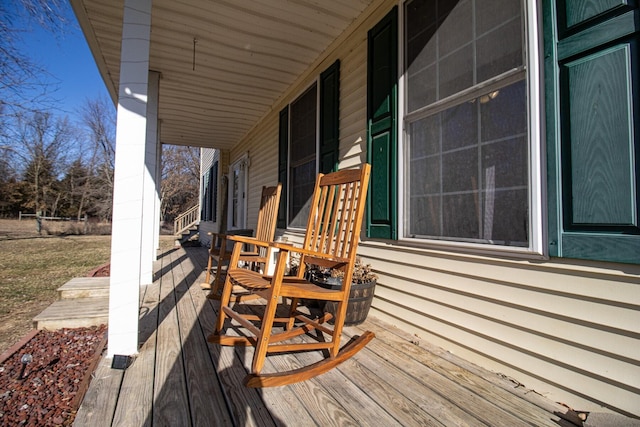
[(252, 255), (331, 240)]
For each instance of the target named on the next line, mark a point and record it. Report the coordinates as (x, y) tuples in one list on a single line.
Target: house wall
[(261, 145), (208, 156), (568, 329)]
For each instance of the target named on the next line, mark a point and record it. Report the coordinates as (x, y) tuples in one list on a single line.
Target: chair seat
[(291, 287)]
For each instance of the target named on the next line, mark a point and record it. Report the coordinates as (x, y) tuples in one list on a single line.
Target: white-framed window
[(470, 120), (237, 216)]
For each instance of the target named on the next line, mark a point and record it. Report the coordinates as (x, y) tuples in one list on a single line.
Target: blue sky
[(69, 61)]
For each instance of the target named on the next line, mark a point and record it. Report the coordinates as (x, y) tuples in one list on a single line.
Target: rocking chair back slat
[(335, 228), (268, 214)]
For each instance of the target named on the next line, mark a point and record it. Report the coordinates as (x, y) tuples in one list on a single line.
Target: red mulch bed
[(48, 390)]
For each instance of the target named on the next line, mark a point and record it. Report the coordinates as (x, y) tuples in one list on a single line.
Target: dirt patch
[(44, 378), (102, 271)]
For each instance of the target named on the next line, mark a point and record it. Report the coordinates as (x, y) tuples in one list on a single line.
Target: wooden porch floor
[(178, 379)]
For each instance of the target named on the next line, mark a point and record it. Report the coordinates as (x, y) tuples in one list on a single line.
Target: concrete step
[(74, 313), (85, 287)]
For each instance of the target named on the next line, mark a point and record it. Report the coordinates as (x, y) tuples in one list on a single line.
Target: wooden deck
[(178, 379)]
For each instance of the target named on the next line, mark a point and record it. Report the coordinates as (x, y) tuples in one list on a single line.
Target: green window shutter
[(382, 88), (283, 157), (206, 186), (214, 192), (592, 92), (329, 118)]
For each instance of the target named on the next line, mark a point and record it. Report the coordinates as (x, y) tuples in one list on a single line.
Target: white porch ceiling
[(247, 53)]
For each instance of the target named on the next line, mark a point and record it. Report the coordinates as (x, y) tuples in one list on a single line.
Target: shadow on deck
[(178, 379)]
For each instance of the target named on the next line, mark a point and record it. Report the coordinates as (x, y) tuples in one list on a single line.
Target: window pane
[(424, 137), (425, 218), (460, 126), (504, 112), (491, 61), (460, 216), (460, 171), (423, 88), (455, 26), (497, 12), (456, 72)]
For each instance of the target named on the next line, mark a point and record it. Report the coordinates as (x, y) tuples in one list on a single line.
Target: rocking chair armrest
[(288, 247), (239, 232), (322, 257), (247, 239), (328, 258), (218, 239), (215, 235)]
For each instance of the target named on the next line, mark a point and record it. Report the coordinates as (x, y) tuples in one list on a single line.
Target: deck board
[(100, 400), (205, 393), (171, 402), (180, 379), (136, 409), (246, 406)]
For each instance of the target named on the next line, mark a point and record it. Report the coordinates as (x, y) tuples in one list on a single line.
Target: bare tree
[(8, 181), (42, 145), (23, 83), (180, 180), (98, 116), (75, 190)]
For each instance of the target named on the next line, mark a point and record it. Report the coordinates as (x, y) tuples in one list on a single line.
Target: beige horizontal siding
[(206, 159), (262, 146), (353, 103), (568, 333)]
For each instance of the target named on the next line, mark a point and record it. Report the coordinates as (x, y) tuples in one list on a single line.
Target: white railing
[(185, 220)]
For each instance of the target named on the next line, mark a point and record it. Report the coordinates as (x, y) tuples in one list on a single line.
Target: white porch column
[(149, 225), (128, 196)]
